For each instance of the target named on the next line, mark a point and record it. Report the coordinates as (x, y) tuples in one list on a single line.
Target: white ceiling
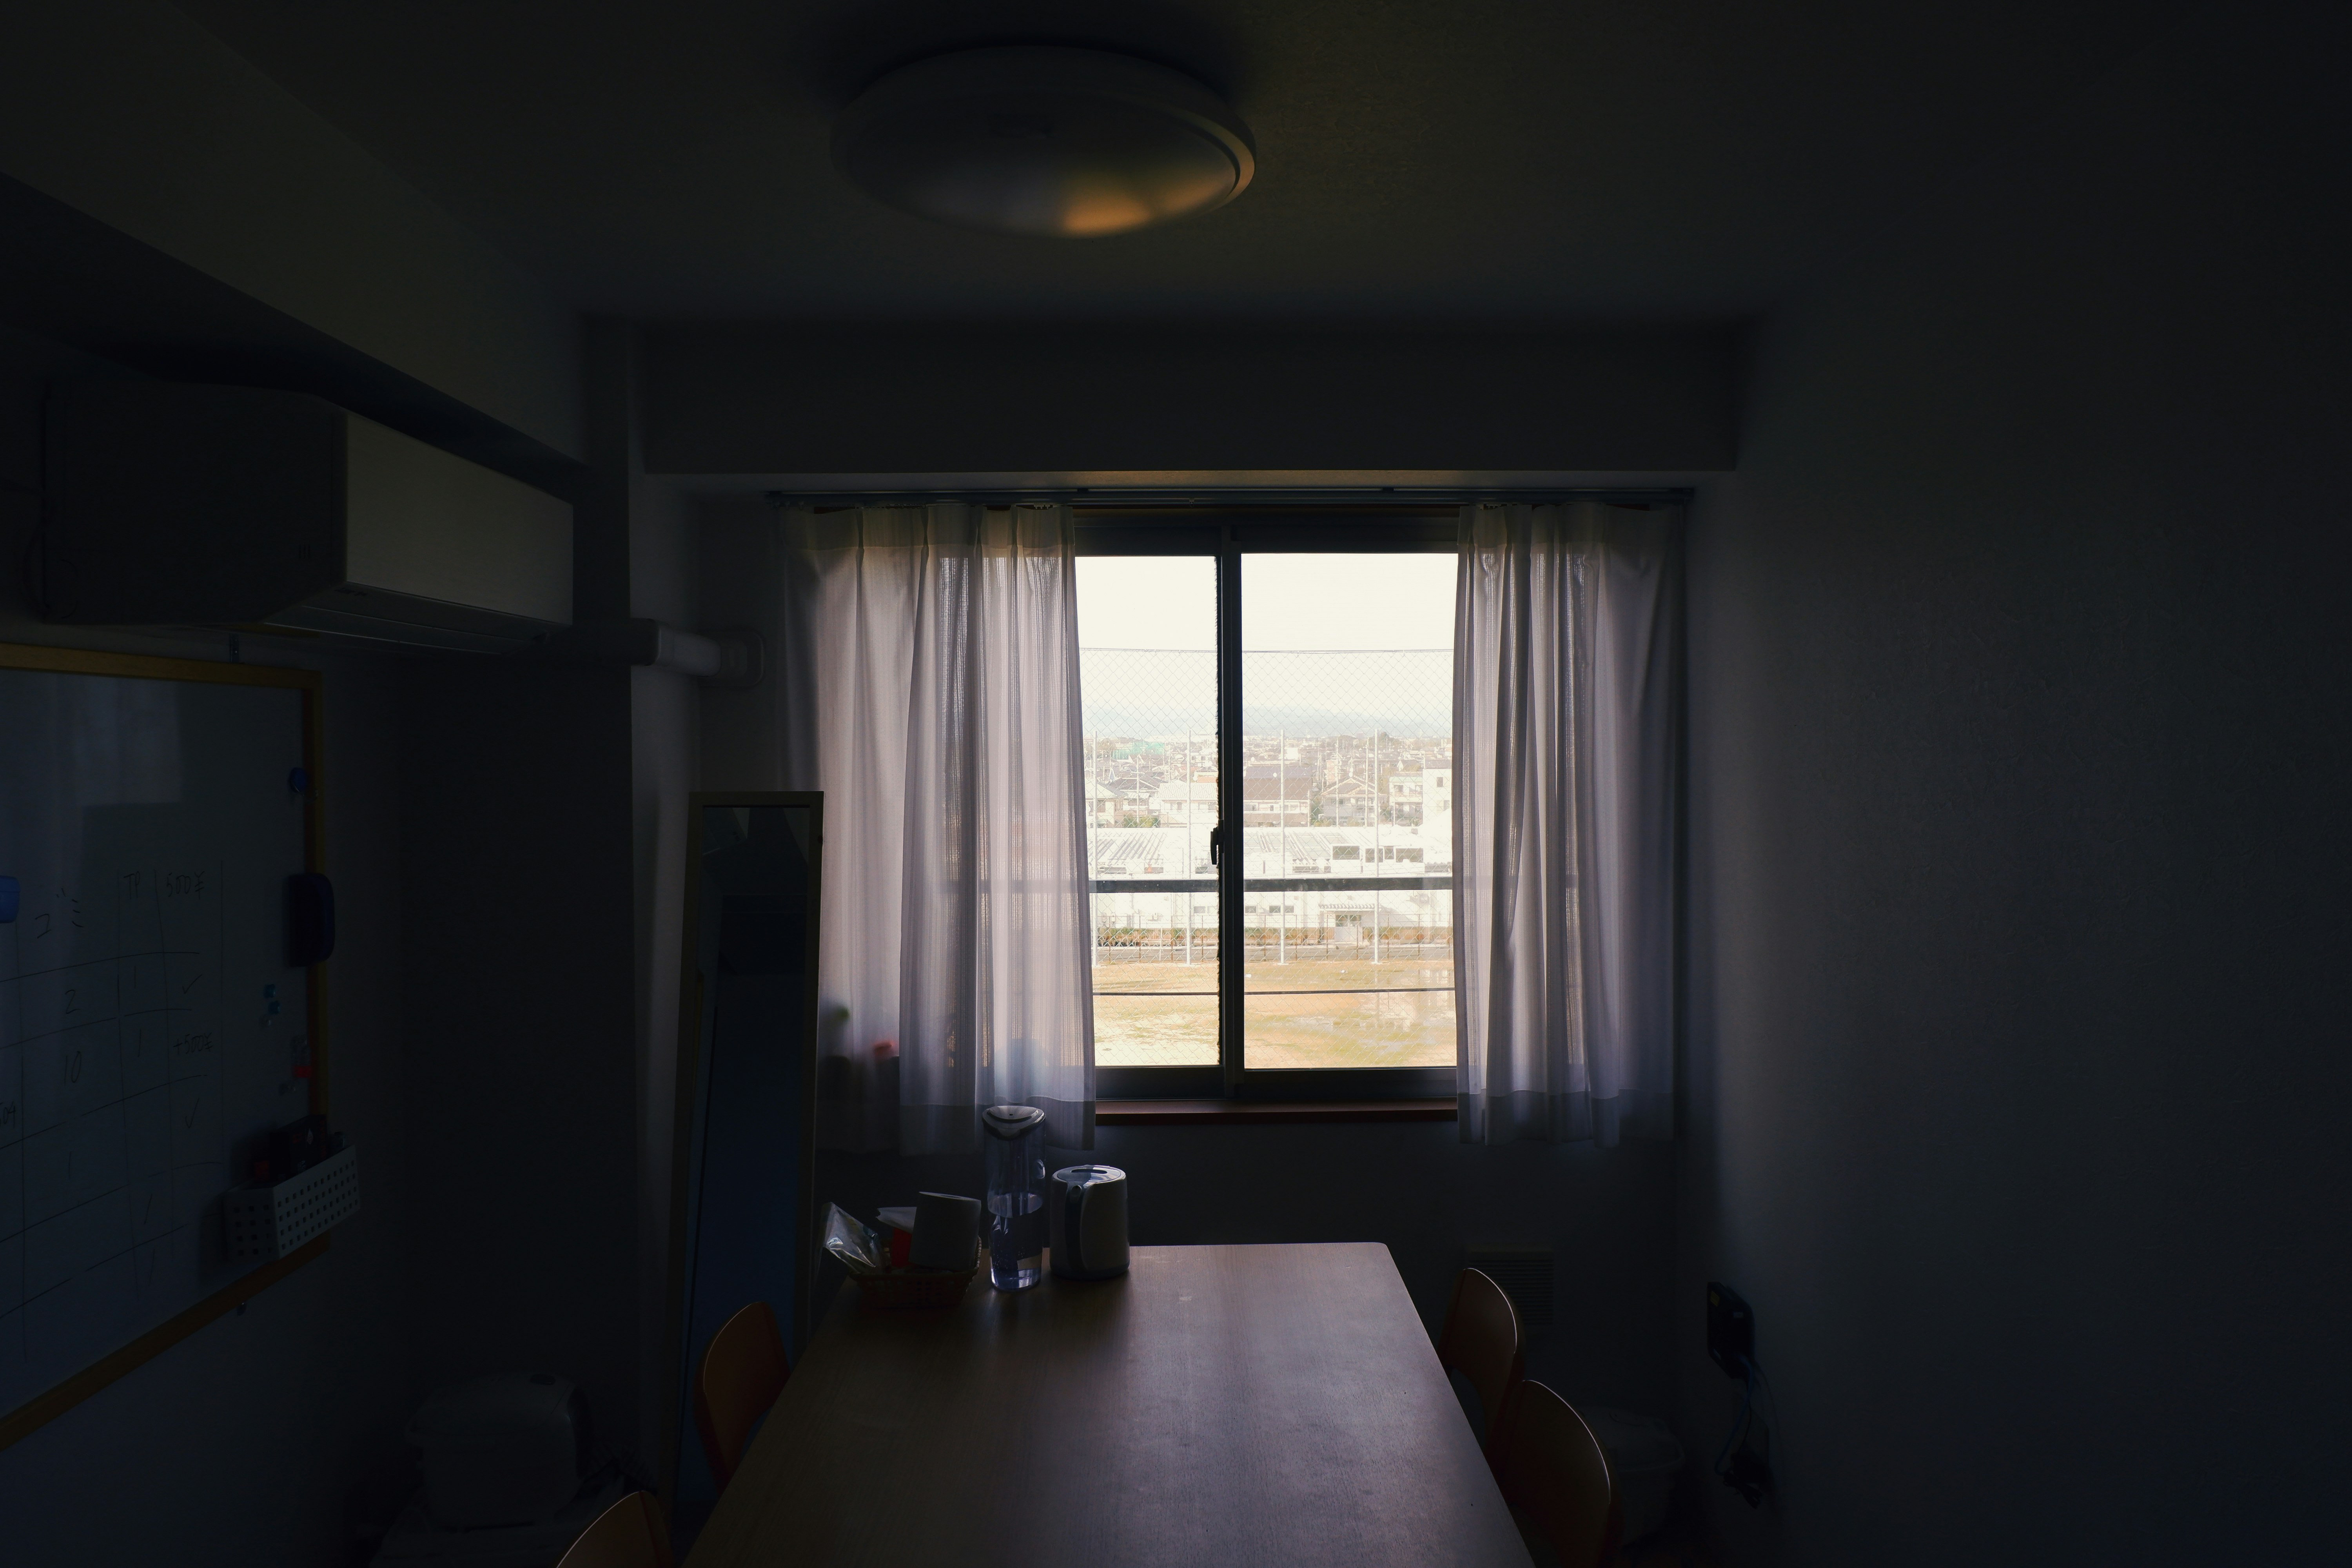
[(1640, 160)]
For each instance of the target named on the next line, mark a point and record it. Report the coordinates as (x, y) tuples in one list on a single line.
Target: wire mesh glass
[(1346, 924), (1347, 921), (1150, 735)]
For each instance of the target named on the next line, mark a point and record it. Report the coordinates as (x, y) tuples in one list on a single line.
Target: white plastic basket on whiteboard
[(272, 1221)]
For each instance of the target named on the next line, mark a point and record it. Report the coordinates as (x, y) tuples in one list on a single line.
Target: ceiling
[(1463, 161)]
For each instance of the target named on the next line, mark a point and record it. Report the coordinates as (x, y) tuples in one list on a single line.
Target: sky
[(1289, 602)]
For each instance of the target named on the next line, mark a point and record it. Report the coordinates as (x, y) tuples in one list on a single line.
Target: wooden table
[(1215, 1406)]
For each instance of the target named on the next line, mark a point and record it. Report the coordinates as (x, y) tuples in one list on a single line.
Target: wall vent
[(1524, 1273)]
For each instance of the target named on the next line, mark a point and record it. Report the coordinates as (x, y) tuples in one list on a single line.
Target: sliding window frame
[(1228, 534)]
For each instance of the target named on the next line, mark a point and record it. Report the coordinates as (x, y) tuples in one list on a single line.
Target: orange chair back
[(629, 1534), (1481, 1340), (743, 1369), (1551, 1466)]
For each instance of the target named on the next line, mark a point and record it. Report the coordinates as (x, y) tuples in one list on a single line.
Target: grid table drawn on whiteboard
[(110, 1096), (147, 1027)]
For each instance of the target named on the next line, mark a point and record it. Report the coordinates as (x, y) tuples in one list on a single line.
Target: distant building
[(1275, 803), (1414, 796), (1105, 804), (1351, 803), (1180, 802), (1118, 804)]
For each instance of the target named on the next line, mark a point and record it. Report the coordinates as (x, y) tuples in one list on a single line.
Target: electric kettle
[(1088, 1204)]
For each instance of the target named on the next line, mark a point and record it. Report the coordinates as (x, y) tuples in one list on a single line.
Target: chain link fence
[(1347, 923), (1353, 751), (1137, 694)]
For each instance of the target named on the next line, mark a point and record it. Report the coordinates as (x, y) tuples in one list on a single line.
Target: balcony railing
[(1329, 881)]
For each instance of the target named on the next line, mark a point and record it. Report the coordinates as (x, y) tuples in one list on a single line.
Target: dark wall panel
[(268, 1435), (753, 400), (2021, 678), (516, 853), (1416, 1188)]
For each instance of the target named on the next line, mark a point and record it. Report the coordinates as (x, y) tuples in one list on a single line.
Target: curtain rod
[(1394, 499)]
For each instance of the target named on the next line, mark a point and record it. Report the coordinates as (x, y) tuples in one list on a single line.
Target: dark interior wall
[(265, 1435), (883, 400), (523, 800), (665, 708), (515, 851), (544, 842), (498, 830), (133, 115), (2021, 672), (1607, 1213)]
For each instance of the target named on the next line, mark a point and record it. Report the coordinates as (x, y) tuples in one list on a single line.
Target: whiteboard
[(150, 1029)]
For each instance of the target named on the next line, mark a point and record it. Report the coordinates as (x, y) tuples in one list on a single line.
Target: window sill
[(1234, 1112)]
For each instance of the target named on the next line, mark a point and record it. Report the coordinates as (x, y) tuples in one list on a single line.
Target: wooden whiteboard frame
[(45, 1408)]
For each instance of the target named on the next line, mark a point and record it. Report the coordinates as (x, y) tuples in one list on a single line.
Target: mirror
[(743, 1226)]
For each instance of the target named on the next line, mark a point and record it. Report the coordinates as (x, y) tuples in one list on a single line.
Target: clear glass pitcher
[(1016, 1195)]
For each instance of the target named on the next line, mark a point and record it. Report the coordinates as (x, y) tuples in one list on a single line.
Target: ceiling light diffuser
[(1071, 143)]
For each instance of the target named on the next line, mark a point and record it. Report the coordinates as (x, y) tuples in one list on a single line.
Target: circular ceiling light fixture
[(1060, 141)]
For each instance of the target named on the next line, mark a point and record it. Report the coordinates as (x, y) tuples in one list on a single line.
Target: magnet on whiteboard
[(10, 893), (310, 918)]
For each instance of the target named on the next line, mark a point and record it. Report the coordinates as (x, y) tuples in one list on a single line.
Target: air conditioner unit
[(239, 506)]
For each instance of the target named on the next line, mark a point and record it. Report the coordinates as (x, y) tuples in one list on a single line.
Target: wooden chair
[(1481, 1340), (629, 1534), (743, 1369), (1551, 1467)]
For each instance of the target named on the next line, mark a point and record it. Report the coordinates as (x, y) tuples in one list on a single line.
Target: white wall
[(2020, 683), (265, 1435)]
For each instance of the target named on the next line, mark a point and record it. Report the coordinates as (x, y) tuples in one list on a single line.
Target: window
[(1283, 714), (1148, 670)]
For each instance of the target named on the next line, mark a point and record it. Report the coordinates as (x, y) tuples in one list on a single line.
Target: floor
[(1685, 1541), (1683, 1544)]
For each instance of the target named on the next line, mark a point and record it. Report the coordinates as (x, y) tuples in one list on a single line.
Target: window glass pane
[(1148, 673), (1347, 922)]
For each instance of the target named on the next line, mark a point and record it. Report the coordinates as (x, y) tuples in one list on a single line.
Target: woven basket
[(912, 1289)]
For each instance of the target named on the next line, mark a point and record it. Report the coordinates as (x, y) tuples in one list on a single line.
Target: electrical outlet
[(1749, 1471), (1730, 1329)]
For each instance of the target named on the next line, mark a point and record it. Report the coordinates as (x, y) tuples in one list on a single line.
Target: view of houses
[(1333, 781), (1346, 912), (1335, 812), (1345, 836)]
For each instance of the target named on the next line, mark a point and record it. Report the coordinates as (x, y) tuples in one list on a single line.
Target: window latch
[(1216, 844)]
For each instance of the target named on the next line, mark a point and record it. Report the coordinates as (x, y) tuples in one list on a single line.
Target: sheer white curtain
[(1565, 647), (931, 675)]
